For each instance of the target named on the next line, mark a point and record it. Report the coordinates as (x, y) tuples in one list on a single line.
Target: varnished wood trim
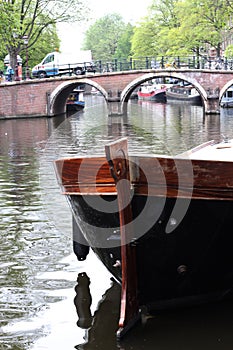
[(151, 175)]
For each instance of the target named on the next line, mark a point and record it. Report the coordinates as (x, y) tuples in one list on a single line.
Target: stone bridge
[(47, 97)]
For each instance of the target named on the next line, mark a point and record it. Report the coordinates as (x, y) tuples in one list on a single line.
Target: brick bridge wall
[(47, 97)]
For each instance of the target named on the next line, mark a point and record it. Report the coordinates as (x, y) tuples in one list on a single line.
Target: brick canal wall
[(26, 98)]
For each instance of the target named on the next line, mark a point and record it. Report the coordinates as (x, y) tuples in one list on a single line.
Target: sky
[(131, 11)]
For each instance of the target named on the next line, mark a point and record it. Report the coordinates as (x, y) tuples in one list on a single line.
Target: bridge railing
[(158, 62), (187, 62)]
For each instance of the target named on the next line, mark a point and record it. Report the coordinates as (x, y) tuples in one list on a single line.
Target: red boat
[(152, 92)]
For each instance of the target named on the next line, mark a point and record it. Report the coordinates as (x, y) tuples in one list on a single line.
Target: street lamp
[(25, 38)]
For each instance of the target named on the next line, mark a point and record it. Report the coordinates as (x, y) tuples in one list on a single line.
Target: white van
[(56, 63)]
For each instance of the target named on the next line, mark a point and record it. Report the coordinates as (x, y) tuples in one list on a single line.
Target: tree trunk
[(13, 52)]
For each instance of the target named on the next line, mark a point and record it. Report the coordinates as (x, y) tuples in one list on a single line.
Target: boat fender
[(80, 250), (80, 245)]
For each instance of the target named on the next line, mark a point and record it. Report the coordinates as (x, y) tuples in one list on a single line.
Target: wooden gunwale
[(155, 176)]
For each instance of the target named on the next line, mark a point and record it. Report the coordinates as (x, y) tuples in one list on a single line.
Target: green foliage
[(107, 37), (157, 33), (46, 43), (163, 11), (124, 43), (29, 25), (205, 21), (183, 27), (171, 28), (145, 39), (229, 51)]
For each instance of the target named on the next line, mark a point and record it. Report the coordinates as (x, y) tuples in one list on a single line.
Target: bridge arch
[(58, 97), (224, 88), (125, 95)]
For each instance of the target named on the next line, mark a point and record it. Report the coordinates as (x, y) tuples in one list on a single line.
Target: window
[(48, 59)]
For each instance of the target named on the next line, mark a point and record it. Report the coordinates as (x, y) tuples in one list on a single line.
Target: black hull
[(161, 97), (74, 107), (191, 264), (184, 95)]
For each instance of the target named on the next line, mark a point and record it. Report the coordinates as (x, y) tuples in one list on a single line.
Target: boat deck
[(212, 151)]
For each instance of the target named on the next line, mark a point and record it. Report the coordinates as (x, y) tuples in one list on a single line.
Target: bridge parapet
[(47, 97)]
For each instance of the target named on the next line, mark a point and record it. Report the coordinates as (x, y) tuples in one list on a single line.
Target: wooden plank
[(196, 149), (161, 175), (117, 156)]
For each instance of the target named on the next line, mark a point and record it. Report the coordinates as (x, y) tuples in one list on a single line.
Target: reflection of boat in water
[(170, 244), (101, 327), (227, 99), (83, 301), (94, 91), (152, 92), (75, 101), (186, 93)]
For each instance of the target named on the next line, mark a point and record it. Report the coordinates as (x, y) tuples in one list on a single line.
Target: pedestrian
[(218, 63), (1, 76), (153, 64), (174, 64), (9, 73)]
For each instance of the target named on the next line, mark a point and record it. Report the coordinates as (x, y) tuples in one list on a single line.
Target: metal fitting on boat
[(117, 263), (172, 221), (182, 269)]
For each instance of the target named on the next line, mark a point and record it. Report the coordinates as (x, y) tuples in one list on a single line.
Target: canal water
[(42, 285)]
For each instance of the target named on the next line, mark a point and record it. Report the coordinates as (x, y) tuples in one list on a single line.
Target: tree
[(155, 34), (183, 27), (103, 36), (45, 43), (205, 22), (124, 43), (163, 11), (229, 51), (145, 39), (24, 21)]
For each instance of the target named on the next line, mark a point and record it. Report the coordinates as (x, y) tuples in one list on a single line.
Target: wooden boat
[(152, 92), (161, 225), (75, 101), (227, 99), (186, 93)]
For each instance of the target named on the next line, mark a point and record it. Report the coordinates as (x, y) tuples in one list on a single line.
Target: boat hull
[(227, 99), (75, 101), (184, 95), (75, 106), (226, 103), (191, 264), (165, 231), (156, 96)]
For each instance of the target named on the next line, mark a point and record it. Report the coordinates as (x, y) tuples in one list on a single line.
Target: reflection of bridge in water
[(47, 97)]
